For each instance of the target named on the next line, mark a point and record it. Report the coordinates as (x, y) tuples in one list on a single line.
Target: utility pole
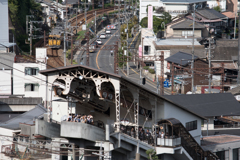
[(31, 27), (141, 63), (192, 66), (95, 23), (119, 44), (235, 25), (44, 38), (87, 63), (209, 65), (127, 51), (85, 13), (71, 47), (64, 49), (238, 78), (76, 19)]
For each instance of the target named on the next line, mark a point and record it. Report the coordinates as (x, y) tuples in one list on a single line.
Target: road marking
[(100, 51), (133, 39)]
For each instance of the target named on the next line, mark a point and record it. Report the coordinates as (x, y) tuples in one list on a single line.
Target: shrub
[(151, 71), (146, 67)]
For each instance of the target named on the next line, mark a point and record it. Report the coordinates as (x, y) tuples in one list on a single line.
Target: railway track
[(80, 17)]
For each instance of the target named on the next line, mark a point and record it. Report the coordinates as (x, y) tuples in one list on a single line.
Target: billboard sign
[(140, 51), (150, 17)]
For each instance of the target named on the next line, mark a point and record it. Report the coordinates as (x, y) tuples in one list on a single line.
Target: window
[(147, 50), (31, 86), (191, 125), (31, 71), (187, 33)]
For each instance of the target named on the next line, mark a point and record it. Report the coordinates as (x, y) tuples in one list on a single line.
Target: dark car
[(95, 44)]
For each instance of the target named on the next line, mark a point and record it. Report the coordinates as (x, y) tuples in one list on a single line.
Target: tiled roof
[(182, 1), (211, 14), (187, 24), (224, 53), (180, 58), (208, 105), (230, 14)]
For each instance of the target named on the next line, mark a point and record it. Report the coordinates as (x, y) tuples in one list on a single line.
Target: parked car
[(108, 31), (103, 35), (99, 41)]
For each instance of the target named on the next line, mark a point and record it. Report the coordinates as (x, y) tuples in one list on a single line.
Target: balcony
[(169, 142), (82, 131)]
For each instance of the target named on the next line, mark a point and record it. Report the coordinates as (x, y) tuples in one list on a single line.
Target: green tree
[(166, 17), (18, 9), (217, 8), (147, 8), (152, 154), (156, 23)]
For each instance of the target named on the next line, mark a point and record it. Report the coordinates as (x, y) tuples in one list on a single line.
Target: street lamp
[(238, 78)]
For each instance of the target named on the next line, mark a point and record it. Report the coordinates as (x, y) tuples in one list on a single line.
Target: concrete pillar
[(55, 147), (154, 112), (230, 154), (238, 153), (81, 153), (227, 155), (107, 152)]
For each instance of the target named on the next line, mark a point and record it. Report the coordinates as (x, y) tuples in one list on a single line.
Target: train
[(54, 41)]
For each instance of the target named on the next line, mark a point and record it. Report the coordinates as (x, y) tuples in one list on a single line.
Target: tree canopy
[(157, 22), (217, 8), (147, 8), (18, 10), (152, 154)]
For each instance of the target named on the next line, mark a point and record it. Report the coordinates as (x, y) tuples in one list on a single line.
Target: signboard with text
[(140, 51), (150, 17)]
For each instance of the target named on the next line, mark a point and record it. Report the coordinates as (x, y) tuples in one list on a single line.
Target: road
[(102, 59)]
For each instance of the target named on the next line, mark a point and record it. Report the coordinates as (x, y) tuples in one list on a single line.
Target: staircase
[(190, 144)]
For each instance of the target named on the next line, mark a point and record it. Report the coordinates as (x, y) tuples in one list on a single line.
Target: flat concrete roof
[(178, 42)]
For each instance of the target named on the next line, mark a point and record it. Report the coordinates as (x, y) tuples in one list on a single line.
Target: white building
[(173, 7), (26, 78), (215, 3)]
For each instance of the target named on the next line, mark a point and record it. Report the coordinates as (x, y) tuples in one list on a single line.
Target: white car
[(103, 35), (99, 41), (108, 31)]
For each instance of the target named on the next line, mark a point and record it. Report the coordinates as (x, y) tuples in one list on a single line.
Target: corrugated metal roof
[(7, 116), (27, 118), (21, 101), (180, 58), (4, 31), (6, 60)]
